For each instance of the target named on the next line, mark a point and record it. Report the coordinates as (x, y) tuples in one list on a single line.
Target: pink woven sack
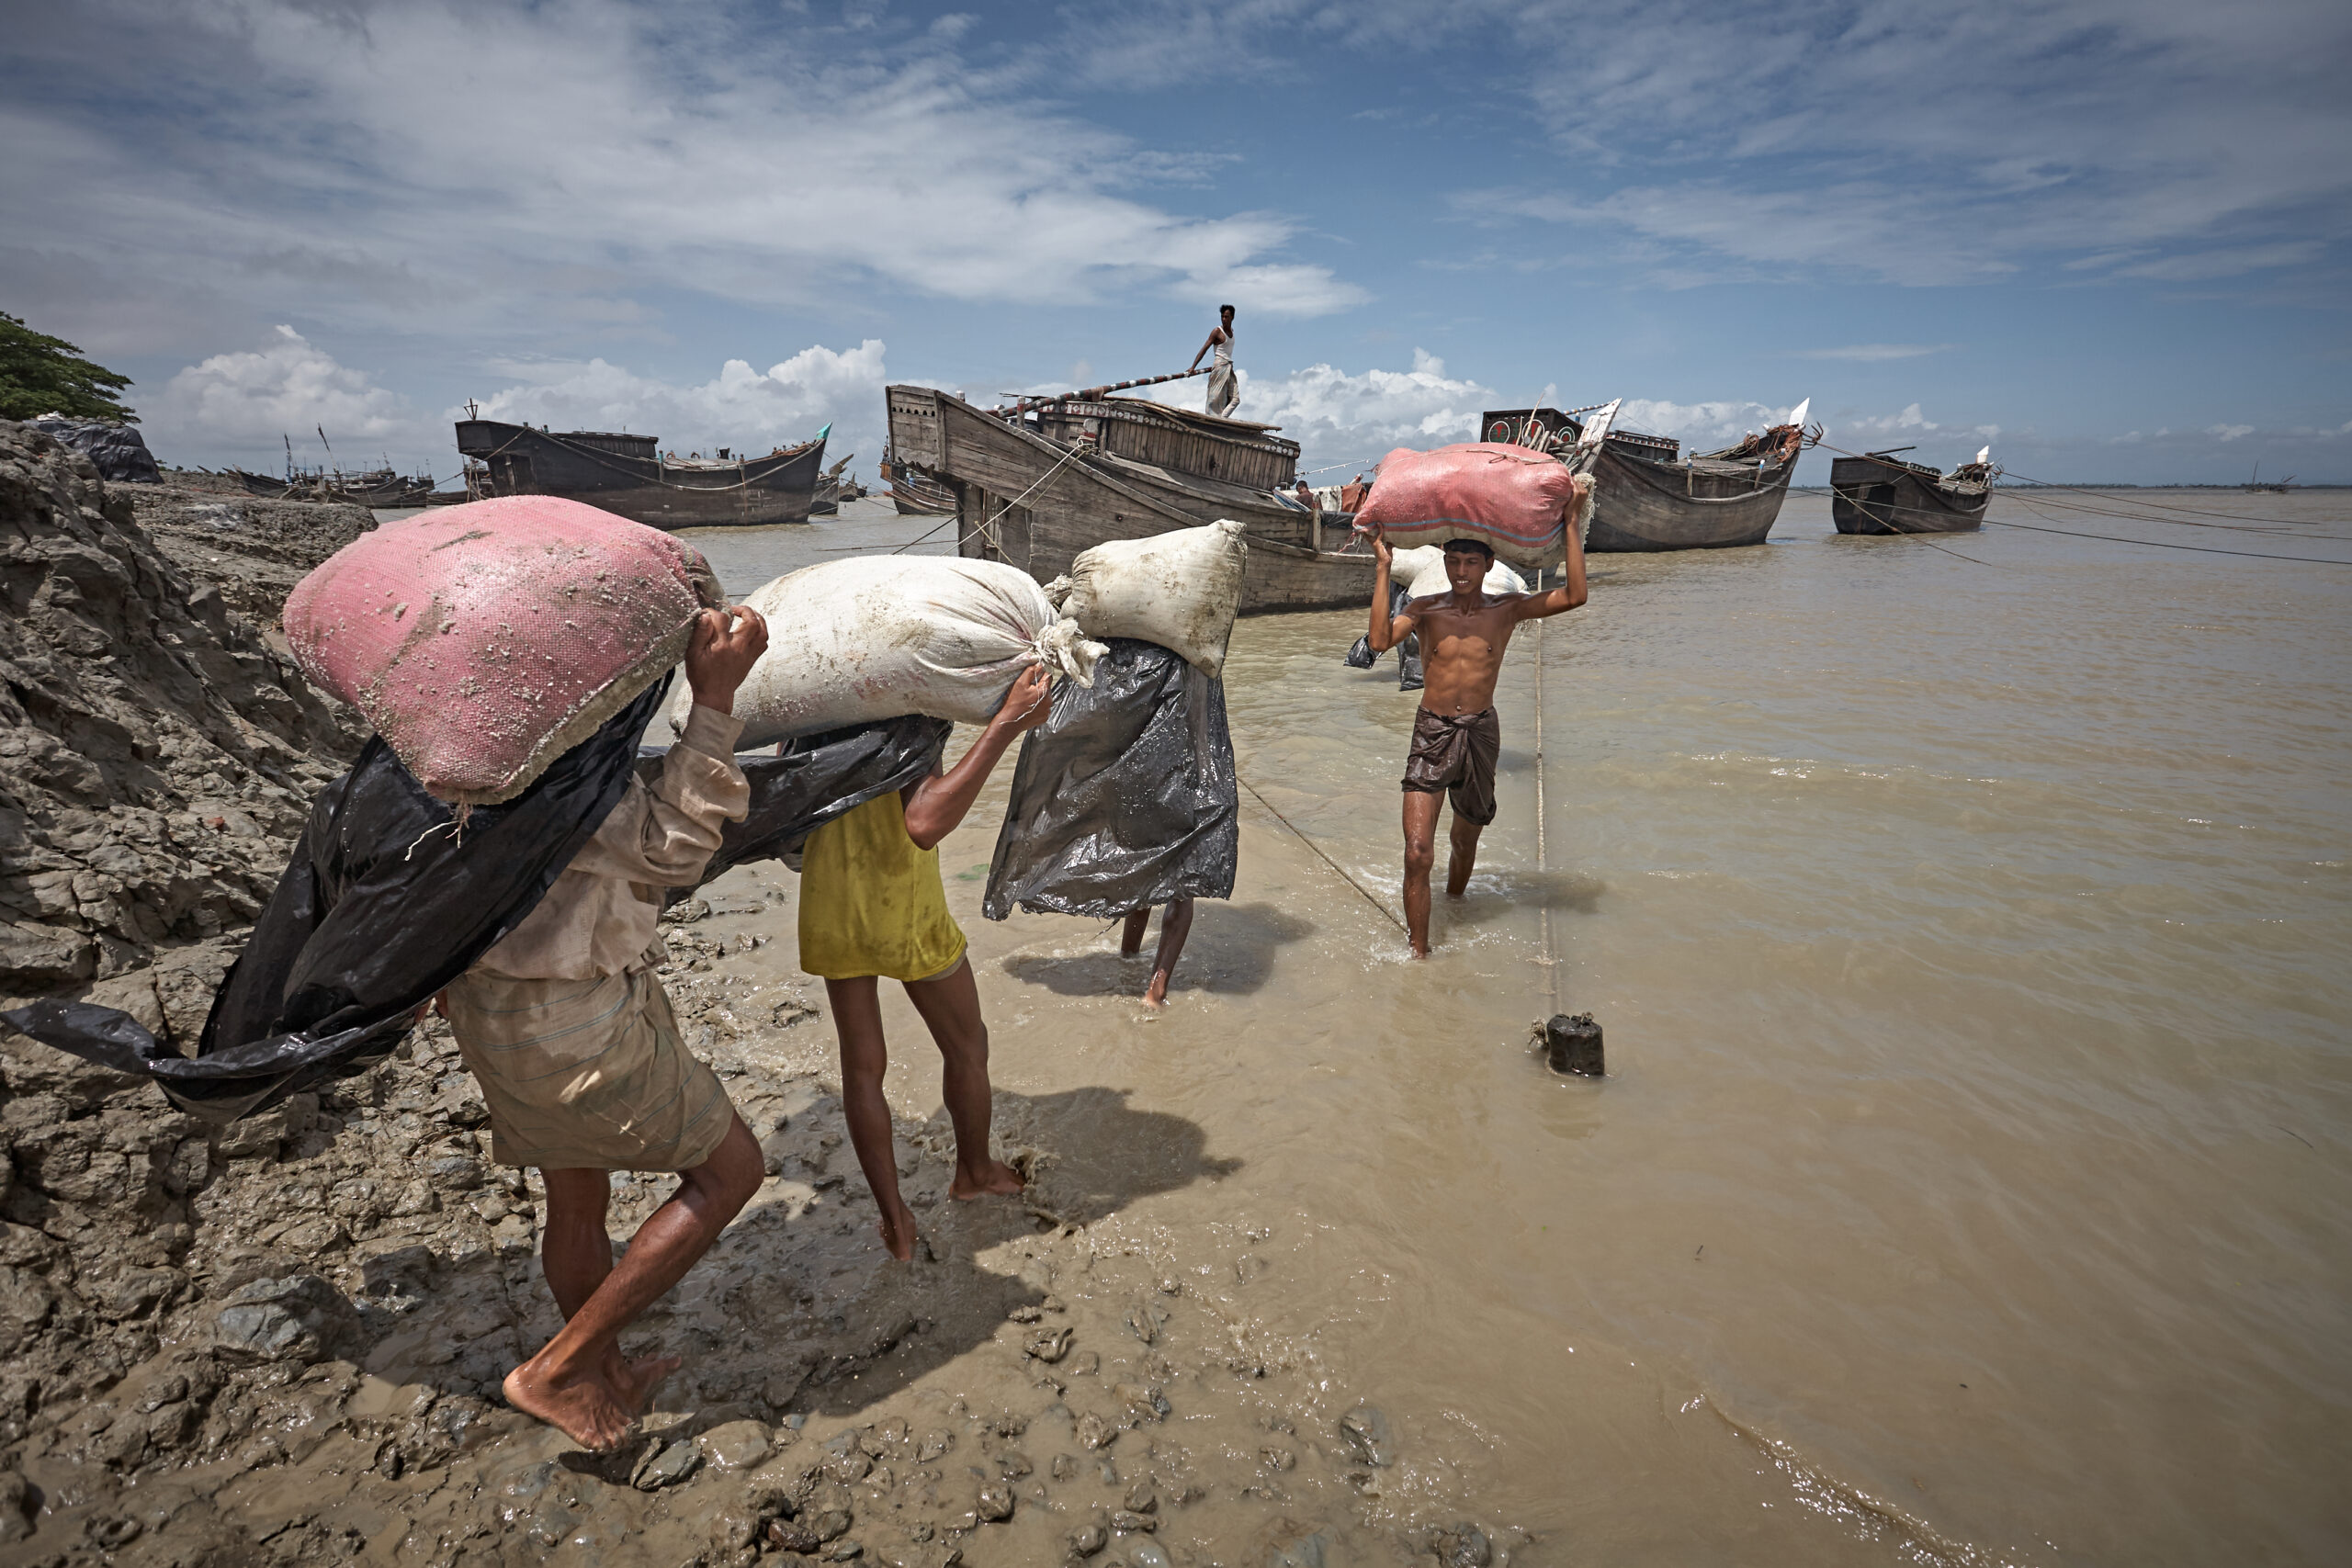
[(483, 641), (1512, 497)]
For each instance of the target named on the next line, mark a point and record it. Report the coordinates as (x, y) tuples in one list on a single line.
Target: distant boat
[(1881, 493), (914, 491), (1648, 496), (832, 489), (2275, 487), (380, 488), (630, 475), (1042, 479)]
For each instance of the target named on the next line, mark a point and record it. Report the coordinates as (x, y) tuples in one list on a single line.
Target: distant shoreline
[(2084, 484)]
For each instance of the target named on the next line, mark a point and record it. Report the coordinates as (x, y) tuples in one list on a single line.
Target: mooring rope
[(1327, 860)]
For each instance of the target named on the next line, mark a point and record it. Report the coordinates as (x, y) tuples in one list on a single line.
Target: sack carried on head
[(880, 637), (1178, 590), (1514, 498), (485, 640)]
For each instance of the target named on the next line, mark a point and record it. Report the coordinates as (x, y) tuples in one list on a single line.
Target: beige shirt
[(598, 919)]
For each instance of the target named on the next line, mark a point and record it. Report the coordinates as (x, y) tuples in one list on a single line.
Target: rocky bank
[(281, 1342)]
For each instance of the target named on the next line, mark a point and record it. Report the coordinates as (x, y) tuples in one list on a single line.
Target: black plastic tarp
[(118, 450), (1125, 798), (1408, 652), (386, 901)]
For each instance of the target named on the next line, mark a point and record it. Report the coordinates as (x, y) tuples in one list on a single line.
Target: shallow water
[(1971, 1178)]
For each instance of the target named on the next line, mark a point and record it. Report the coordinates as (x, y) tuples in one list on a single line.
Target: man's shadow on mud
[(815, 1301), (1231, 953)]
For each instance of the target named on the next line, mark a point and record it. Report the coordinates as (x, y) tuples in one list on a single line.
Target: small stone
[(667, 1466), (1087, 1364), (1049, 1345), (1094, 1432), (735, 1445), (1148, 1403), (1023, 1314), (1127, 1522), (1466, 1546), (15, 1523), (1146, 1554), (845, 1551), (1365, 1431), (1573, 1044), (1142, 1323), (1088, 1539), (995, 1504), (1142, 1499)]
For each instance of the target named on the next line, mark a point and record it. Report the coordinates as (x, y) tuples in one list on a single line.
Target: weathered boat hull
[(752, 492), (1876, 495), (1641, 505), (916, 494), (1069, 499)]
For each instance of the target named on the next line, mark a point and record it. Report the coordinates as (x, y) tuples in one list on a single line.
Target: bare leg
[(1462, 854), (565, 1384), (865, 1056), (576, 1254), (1421, 853), (1131, 934), (1174, 927), (951, 1009)]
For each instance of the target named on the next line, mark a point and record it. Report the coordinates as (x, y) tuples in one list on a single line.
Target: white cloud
[(2229, 432), (516, 169), (1873, 353), (244, 404), (740, 407)]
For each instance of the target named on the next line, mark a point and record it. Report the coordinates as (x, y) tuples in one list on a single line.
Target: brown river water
[(1971, 1181)]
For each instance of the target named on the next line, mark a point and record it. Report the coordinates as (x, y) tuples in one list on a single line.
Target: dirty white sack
[(1420, 572), (851, 641), (1180, 589)]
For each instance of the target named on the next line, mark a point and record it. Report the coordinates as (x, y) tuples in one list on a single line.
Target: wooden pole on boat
[(1089, 393)]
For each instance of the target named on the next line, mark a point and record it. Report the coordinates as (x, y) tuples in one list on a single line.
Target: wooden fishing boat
[(1881, 493), (630, 475), (914, 492), (1648, 497), (832, 489), (2274, 487), (1037, 482)]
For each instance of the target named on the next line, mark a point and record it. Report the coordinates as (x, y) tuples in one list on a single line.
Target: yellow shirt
[(871, 903)]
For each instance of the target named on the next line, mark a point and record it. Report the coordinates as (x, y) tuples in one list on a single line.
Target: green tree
[(40, 374)]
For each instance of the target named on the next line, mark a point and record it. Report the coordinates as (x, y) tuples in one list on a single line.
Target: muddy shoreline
[(282, 1341)]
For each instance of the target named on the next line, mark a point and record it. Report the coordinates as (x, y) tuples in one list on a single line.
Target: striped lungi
[(586, 1075)]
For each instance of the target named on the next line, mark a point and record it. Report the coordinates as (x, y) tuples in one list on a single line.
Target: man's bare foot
[(1156, 994), (582, 1407), (1421, 951), (898, 1231), (997, 1177)]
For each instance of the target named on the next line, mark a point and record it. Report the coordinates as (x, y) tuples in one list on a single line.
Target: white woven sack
[(1420, 572), (1180, 589), (878, 637)]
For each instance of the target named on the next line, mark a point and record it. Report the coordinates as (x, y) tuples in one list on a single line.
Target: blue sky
[(2108, 238)]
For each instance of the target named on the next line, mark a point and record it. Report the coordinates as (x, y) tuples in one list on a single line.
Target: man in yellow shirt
[(871, 904)]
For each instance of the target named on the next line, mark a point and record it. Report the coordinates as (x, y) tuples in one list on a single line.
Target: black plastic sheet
[(386, 901), (118, 450), (1125, 798), (819, 778), (1408, 652)]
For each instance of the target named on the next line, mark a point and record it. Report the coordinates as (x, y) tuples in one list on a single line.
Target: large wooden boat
[(1881, 493), (1037, 483), (1648, 497), (380, 488), (914, 492), (630, 475)]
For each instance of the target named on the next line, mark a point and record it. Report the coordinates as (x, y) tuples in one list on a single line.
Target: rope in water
[(1327, 860)]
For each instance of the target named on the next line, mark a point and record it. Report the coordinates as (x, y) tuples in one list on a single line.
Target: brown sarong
[(586, 1075), (1456, 753)]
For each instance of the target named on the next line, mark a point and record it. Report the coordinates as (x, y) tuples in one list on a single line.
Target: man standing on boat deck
[(1456, 736), (1225, 388)]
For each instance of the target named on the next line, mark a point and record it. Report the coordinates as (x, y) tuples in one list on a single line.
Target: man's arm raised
[(1387, 630), (1570, 594)]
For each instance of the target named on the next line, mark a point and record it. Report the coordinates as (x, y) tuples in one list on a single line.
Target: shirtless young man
[(1457, 736)]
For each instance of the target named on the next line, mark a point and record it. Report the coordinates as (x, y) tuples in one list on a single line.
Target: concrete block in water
[(1572, 1044)]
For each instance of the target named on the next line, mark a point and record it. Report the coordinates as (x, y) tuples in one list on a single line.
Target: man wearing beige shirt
[(568, 1030)]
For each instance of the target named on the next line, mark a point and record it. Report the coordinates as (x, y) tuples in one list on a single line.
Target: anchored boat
[(1648, 496), (914, 492), (1879, 492), (1038, 481), (630, 475)]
